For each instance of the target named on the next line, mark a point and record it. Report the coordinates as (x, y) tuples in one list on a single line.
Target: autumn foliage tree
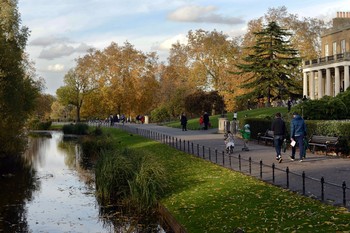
[(131, 82)]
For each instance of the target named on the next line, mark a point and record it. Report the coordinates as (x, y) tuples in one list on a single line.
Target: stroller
[(229, 142)]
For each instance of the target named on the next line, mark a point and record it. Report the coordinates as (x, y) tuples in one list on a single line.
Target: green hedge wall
[(318, 127)]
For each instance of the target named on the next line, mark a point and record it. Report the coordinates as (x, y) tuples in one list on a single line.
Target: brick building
[(329, 74)]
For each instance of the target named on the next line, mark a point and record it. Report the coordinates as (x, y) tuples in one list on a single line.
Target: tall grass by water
[(130, 177), (205, 197)]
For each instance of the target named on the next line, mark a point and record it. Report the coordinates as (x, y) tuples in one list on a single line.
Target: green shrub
[(317, 127), (97, 131), (160, 114), (36, 124), (93, 146), (326, 108), (78, 129)]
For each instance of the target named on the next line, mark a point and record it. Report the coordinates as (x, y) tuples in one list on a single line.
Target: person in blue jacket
[(297, 134)]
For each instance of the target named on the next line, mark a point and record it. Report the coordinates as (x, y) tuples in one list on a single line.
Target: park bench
[(327, 142), (267, 136)]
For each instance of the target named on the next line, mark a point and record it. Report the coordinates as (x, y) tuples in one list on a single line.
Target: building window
[(334, 48), (326, 52), (342, 45)]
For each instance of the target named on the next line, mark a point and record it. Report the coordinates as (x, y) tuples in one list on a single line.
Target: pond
[(49, 191)]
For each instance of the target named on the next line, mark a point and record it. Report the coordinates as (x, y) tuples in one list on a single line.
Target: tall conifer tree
[(273, 65)]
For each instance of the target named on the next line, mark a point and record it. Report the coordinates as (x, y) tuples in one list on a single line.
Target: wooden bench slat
[(267, 136), (323, 141)]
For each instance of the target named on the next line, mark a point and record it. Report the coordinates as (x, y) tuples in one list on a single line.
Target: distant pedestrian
[(297, 133), (278, 127), (122, 118), (246, 136), (206, 120), (289, 104), (183, 121), (234, 116), (201, 122)]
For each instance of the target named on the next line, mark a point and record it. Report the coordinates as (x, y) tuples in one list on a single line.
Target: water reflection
[(47, 191)]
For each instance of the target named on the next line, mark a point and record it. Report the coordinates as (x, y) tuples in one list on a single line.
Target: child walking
[(246, 136)]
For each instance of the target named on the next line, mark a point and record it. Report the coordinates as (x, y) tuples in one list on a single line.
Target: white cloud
[(62, 50), (56, 51), (55, 68), (49, 40), (202, 14), (166, 44), (83, 48)]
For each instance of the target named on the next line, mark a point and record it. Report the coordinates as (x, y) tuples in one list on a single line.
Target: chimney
[(342, 20)]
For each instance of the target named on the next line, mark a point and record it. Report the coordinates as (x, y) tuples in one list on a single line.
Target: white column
[(328, 82), (305, 84), (337, 81), (312, 85), (320, 84), (346, 77)]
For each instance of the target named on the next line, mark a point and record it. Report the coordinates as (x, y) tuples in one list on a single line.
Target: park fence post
[(344, 193), (322, 188), (303, 176), (287, 172), (250, 165)]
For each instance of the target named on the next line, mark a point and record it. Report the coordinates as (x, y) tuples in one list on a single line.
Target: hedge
[(339, 128)]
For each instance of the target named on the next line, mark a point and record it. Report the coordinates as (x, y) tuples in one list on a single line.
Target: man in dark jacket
[(297, 134), (206, 120), (279, 131), (183, 121)]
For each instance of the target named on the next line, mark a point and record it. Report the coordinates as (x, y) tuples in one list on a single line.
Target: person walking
[(183, 121), (246, 136), (201, 122), (278, 127), (297, 134), (206, 120), (289, 104)]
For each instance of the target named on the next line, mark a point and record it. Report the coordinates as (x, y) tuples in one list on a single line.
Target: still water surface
[(51, 192)]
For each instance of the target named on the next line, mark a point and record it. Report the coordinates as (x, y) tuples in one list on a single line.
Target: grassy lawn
[(193, 124), (205, 197)]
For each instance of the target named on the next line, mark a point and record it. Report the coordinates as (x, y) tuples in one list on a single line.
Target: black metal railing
[(321, 189)]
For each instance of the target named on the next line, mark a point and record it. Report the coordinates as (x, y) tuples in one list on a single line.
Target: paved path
[(333, 169)]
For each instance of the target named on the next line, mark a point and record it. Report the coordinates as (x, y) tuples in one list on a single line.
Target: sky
[(63, 30)]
